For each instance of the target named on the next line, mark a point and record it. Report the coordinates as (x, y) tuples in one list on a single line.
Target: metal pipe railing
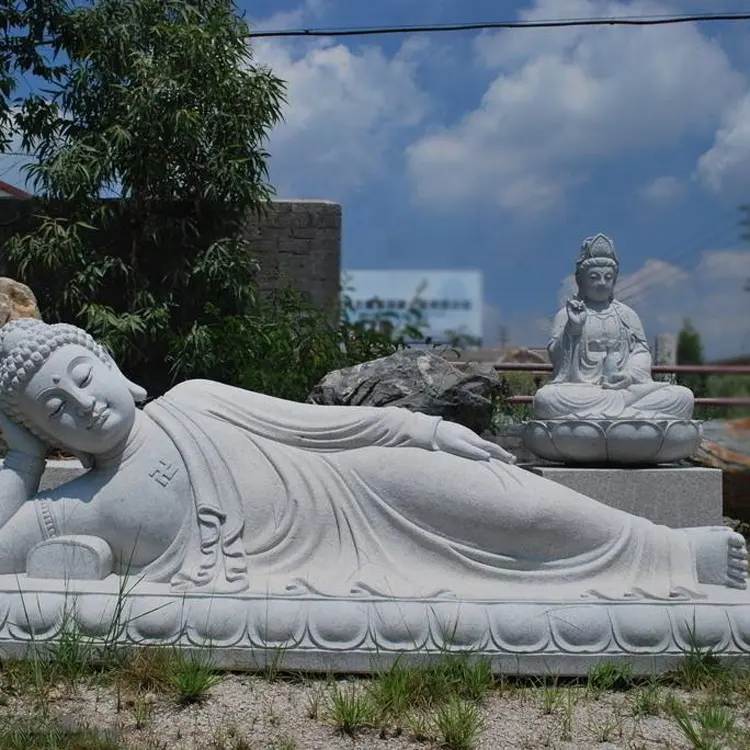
[(729, 401), (542, 369)]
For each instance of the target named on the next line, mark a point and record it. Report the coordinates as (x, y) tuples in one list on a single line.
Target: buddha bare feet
[(720, 556)]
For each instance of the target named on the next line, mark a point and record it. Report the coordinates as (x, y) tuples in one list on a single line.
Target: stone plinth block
[(676, 497)]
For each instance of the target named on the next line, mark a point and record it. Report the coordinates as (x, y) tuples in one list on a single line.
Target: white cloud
[(345, 108), (662, 189), (653, 277), (517, 330), (726, 165), (290, 19), (564, 99)]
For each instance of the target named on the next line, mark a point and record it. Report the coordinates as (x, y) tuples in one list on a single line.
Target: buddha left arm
[(307, 425), (328, 428), (639, 363)]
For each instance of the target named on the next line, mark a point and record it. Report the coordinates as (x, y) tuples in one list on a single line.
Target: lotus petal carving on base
[(619, 442)]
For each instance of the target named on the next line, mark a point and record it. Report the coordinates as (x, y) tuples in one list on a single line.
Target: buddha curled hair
[(25, 345)]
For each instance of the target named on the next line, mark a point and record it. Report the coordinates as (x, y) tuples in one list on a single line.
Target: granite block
[(679, 497)]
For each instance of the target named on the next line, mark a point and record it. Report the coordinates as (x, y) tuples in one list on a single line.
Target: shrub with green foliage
[(162, 110), (287, 345), (149, 161)]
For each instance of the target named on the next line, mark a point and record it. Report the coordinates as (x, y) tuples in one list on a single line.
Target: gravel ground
[(246, 712)]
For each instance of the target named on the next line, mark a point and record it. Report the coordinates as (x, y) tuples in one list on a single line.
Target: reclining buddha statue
[(218, 489), (602, 403)]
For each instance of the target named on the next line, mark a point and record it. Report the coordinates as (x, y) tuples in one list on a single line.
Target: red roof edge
[(14, 191)]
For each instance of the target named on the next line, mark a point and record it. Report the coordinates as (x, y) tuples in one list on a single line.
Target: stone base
[(575, 441), (676, 497), (365, 633)]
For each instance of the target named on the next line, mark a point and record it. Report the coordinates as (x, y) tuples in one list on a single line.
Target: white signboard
[(450, 301)]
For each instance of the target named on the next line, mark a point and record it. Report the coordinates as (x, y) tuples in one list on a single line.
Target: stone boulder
[(16, 301), (419, 381)]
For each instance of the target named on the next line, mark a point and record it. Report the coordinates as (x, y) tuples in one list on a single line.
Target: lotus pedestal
[(619, 442)]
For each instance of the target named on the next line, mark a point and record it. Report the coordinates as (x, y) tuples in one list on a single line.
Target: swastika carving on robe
[(164, 473)]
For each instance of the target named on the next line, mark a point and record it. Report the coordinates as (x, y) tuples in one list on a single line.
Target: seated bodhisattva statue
[(602, 405), (600, 355), (214, 488)]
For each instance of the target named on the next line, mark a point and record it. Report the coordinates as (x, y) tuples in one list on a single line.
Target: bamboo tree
[(162, 112)]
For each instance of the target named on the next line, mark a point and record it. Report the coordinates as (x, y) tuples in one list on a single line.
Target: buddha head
[(597, 269), (64, 387)]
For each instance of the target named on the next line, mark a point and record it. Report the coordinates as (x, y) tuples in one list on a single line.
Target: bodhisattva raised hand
[(576, 315)]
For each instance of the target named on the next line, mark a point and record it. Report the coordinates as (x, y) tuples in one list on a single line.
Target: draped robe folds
[(580, 369), (291, 498)]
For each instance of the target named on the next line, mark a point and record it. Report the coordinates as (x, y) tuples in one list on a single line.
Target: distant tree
[(690, 352)]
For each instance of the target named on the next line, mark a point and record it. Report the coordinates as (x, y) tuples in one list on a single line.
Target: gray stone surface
[(419, 381), (612, 442), (329, 534), (676, 497), (76, 557), (298, 244), (363, 633), (59, 472)]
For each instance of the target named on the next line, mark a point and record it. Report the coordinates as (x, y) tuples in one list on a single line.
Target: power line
[(701, 239), (549, 23), (662, 20), (672, 273)]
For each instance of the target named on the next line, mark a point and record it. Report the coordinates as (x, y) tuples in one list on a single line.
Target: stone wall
[(297, 243)]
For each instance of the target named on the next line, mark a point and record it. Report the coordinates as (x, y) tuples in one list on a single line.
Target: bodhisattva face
[(597, 283), (79, 401)]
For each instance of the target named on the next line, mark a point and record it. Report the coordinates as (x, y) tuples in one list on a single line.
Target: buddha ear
[(138, 393)]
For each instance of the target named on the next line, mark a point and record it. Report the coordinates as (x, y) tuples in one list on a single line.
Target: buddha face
[(80, 402), (597, 283)]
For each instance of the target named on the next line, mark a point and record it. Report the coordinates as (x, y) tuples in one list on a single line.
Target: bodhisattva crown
[(597, 251)]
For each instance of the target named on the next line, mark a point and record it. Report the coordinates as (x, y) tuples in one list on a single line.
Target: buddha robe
[(345, 501)]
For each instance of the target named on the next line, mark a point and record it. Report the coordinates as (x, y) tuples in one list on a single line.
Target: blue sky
[(500, 151)]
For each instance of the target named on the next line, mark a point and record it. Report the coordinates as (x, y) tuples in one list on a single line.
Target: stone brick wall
[(297, 243)]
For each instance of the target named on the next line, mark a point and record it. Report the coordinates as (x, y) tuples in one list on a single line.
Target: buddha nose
[(86, 404)]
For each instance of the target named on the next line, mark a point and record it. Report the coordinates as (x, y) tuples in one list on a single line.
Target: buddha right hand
[(20, 439), (576, 309)]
